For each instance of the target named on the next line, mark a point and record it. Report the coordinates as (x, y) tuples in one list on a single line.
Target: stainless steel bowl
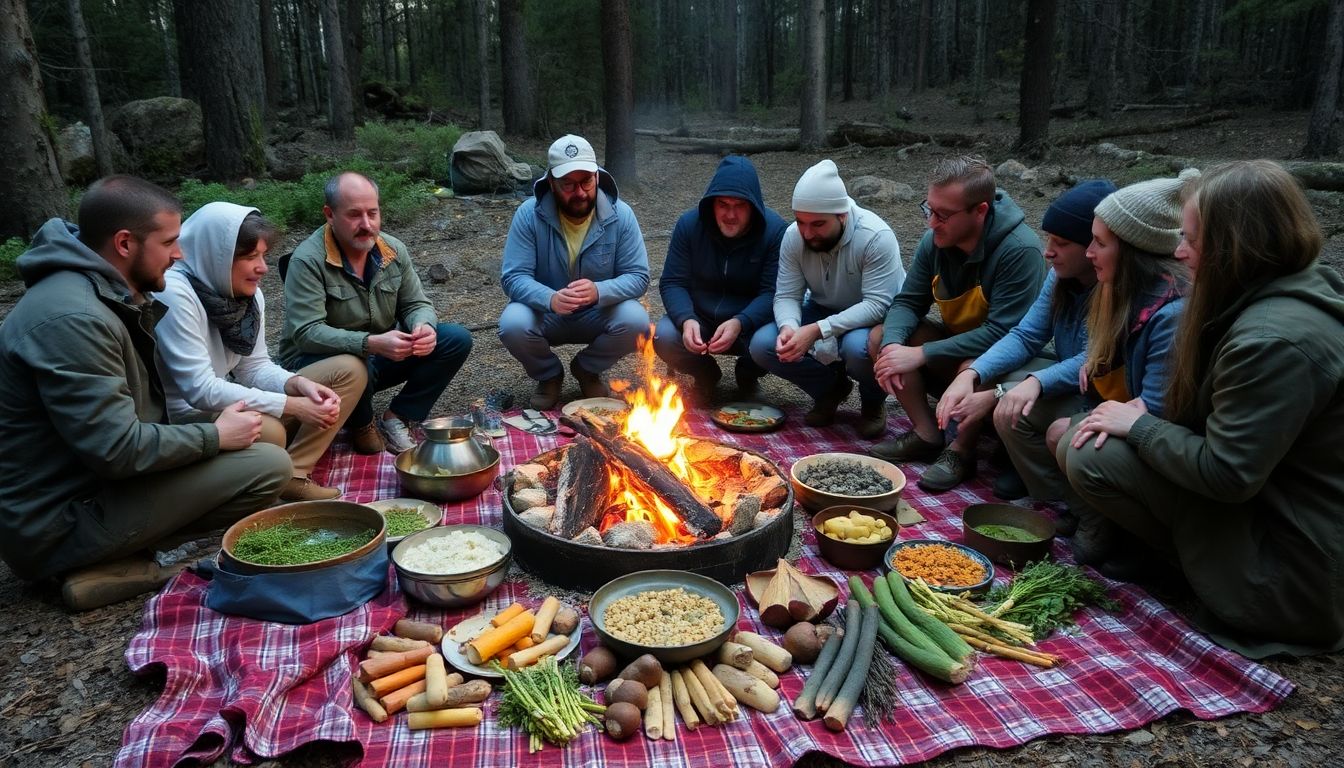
[(452, 590), (419, 480)]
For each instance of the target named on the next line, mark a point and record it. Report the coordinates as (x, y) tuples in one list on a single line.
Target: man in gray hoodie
[(94, 473)]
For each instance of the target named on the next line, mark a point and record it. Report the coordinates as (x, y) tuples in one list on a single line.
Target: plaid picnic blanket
[(259, 690)]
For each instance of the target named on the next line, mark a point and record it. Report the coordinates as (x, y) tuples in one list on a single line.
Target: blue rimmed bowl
[(889, 561)]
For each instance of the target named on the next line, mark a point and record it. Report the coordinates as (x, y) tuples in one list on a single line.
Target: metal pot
[(455, 462)]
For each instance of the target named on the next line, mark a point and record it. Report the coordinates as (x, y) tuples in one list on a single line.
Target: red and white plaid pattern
[(261, 690)]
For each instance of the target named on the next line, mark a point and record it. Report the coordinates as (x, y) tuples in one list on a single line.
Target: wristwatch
[(999, 391)]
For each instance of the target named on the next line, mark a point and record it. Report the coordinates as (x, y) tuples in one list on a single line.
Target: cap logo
[(571, 150)]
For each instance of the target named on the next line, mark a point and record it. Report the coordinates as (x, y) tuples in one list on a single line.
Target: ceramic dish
[(646, 581), (747, 417), (470, 629), (1012, 553), (984, 562), (603, 406), (816, 499), (432, 513), (326, 519)]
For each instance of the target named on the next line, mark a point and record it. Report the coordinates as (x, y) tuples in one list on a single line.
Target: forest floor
[(66, 694)]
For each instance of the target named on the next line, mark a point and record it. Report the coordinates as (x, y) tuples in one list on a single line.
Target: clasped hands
[(719, 343), (573, 297)]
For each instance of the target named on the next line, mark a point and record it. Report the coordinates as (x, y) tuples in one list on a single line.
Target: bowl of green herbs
[(1007, 534), (302, 536), (407, 516)]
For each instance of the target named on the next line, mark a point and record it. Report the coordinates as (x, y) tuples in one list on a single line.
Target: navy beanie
[(1070, 216)]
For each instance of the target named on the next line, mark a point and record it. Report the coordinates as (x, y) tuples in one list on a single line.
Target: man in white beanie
[(848, 259), (982, 264), (574, 269)]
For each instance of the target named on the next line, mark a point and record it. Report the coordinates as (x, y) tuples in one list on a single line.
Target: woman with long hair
[(1239, 482)]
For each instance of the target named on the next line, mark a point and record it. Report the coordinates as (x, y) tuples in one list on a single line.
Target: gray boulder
[(1012, 169), (164, 135), (74, 154), (875, 189)]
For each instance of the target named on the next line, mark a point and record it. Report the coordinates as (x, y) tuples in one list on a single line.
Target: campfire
[(635, 481)]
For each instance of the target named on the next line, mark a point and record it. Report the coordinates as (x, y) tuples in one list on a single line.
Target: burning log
[(581, 494), (699, 519)]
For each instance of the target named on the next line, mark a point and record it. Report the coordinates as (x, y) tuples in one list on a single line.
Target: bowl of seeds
[(406, 516), (826, 480), (302, 536)]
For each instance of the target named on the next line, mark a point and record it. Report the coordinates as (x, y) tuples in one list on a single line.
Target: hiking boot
[(1095, 539), (366, 440), (108, 583), (872, 420), (1066, 522), (747, 375), (907, 446), (396, 434), (304, 489), (1008, 486), (706, 380), (823, 410), (947, 472), (590, 384), (547, 394)]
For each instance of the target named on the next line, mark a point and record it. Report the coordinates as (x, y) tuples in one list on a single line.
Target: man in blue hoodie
[(574, 268), (718, 282)]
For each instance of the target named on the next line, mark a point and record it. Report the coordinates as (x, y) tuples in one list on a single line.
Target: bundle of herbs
[(291, 544), (544, 700), (1045, 595)]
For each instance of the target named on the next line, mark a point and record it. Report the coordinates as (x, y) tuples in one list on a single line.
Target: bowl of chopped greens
[(302, 536), (1007, 534), (406, 516)]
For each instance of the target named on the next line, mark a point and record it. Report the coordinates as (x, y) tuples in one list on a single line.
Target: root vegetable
[(628, 691), (520, 659), (747, 689), (805, 705), (436, 682), (500, 638), (723, 701), (566, 620), (545, 615), (396, 644), (681, 697), (763, 673), (597, 665), (459, 695), (837, 714), (502, 618), (366, 701), (418, 630), (653, 716), (735, 655), (385, 685), (623, 720), (465, 717), (836, 676), (669, 711), (646, 669), (766, 652), (382, 666), (700, 697), (396, 701), (802, 642)]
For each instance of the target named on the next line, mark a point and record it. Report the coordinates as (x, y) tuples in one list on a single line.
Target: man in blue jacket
[(574, 268), (718, 282)]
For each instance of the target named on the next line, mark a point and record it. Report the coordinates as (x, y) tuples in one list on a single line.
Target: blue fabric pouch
[(301, 597)]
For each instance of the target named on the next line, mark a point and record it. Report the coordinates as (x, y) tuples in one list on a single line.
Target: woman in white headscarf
[(212, 345)]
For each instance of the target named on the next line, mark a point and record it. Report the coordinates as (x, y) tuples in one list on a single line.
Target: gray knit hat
[(1147, 215), (820, 190)]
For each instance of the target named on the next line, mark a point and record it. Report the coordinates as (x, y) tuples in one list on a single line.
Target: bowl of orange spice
[(944, 565)]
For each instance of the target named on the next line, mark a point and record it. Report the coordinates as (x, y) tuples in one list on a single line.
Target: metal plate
[(645, 581), (763, 418), (595, 404), (470, 629), (432, 513)]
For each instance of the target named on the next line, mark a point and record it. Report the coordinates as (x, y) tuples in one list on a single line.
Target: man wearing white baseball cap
[(574, 269)]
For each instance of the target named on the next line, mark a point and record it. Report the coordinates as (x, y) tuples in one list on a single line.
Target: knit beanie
[(1147, 215), (820, 190), (1070, 215)]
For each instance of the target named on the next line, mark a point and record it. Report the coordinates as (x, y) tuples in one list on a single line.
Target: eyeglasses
[(568, 186), (939, 215)]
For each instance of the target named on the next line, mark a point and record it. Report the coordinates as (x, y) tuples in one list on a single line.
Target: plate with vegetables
[(748, 417), (517, 637), (406, 516)]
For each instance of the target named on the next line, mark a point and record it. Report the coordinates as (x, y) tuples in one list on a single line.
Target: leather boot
[(108, 583)]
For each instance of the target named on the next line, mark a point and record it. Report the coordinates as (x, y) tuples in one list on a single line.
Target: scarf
[(238, 320)]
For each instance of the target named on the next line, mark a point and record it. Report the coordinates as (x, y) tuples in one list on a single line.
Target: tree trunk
[(922, 35), (812, 121), (28, 156), (1101, 64), (1196, 41), (88, 89), (516, 97), (223, 39), (340, 104), (618, 91), (847, 57), (771, 34), (1036, 88), (978, 63), (165, 27), (481, 15), (727, 55), (270, 56), (1322, 134), (352, 28)]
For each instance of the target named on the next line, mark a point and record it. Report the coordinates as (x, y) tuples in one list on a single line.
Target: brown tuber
[(645, 669), (802, 642), (597, 665), (628, 691), (566, 620), (623, 720)]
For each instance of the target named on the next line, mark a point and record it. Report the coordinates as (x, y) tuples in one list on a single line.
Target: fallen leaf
[(1307, 725), (1221, 731)]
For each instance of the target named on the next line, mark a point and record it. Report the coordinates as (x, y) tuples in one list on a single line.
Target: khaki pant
[(1028, 451), (347, 376)]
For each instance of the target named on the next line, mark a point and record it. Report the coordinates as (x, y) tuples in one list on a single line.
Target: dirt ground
[(65, 691)]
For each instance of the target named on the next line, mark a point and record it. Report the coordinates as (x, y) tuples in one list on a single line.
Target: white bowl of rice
[(452, 565)]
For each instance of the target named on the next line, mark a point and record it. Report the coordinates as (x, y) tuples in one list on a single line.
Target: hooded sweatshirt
[(712, 279), (1259, 531), (195, 365), (1006, 262), (80, 402)]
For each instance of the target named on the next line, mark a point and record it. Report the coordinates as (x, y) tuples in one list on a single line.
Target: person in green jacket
[(1239, 481), (981, 263), (96, 478), (351, 289)]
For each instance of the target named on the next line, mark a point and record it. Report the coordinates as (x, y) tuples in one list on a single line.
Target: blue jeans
[(425, 377), (811, 375), (610, 333), (668, 344)]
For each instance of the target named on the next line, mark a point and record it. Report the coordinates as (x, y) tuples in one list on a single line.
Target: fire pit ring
[(576, 565)]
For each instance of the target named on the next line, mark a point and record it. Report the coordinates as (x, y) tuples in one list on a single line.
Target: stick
[(736, 655), (445, 718), (418, 630), (653, 715), (541, 626), (436, 681), (520, 659), (372, 669), (1016, 654), (668, 708), (700, 698), (766, 652), (396, 644), (385, 685), (681, 697), (763, 673), (396, 701), (365, 700)]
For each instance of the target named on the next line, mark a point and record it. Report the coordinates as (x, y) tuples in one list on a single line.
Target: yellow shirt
[(574, 235)]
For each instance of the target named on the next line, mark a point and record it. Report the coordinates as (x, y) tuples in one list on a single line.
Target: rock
[(1010, 169), (285, 162), (1028, 175), (764, 518), (589, 536), (74, 154), (527, 498), (744, 514), (633, 534), (1140, 738), (1107, 149), (163, 135), (528, 476), (538, 517), (439, 274), (874, 189)]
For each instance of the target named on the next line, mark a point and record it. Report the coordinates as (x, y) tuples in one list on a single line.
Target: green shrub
[(417, 150), (10, 250)]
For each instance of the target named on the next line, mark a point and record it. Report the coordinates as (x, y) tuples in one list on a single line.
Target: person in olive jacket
[(718, 282), (1239, 481), (351, 289)]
